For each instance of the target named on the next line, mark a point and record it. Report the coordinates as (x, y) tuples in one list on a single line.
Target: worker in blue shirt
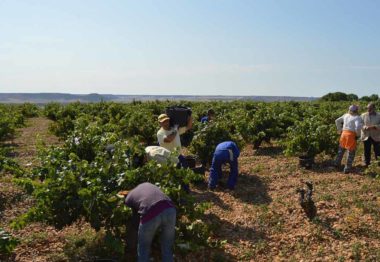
[(225, 152), (210, 116)]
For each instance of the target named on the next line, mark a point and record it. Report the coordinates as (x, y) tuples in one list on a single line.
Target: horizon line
[(83, 94)]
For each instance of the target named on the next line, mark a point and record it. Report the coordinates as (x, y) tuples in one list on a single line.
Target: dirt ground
[(261, 220)]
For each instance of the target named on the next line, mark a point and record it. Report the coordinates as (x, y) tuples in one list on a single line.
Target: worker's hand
[(171, 137), (339, 132), (122, 194)]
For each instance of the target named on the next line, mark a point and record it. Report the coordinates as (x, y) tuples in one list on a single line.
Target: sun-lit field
[(99, 99), (47, 214)]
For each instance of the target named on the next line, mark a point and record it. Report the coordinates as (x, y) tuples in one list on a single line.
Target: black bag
[(178, 115), (191, 161)]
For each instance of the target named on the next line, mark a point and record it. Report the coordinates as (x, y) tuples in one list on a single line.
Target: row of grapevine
[(11, 118), (80, 179), (244, 122)]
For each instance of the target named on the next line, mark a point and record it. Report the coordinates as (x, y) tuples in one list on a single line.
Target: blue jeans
[(350, 158), (164, 221), (222, 157)]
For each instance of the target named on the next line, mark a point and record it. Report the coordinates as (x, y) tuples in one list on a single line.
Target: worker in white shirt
[(169, 137), (349, 126)]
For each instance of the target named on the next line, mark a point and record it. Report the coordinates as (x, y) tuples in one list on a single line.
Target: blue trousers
[(164, 221), (223, 157), (182, 162), (350, 158)]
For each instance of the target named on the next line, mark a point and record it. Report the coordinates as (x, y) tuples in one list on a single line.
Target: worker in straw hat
[(169, 137), (349, 126)]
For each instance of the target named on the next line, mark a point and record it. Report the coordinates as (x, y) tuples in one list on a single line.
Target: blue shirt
[(204, 119), (228, 145)]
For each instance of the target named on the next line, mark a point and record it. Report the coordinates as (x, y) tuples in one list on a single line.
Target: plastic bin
[(178, 115)]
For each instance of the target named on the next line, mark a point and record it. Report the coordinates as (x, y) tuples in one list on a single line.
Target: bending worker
[(157, 214), (225, 152), (162, 156)]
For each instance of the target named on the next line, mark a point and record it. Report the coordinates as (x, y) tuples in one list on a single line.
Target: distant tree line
[(340, 96)]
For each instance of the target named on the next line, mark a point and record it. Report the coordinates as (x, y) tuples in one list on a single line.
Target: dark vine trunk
[(306, 161)]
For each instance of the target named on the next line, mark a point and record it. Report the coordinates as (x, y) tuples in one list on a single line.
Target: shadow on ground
[(233, 232), (327, 166), (249, 188), (210, 196), (271, 151), (327, 224), (224, 232), (205, 255), (9, 149), (252, 189)]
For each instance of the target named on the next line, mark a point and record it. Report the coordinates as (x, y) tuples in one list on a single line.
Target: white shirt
[(350, 123), (160, 154), (175, 144)]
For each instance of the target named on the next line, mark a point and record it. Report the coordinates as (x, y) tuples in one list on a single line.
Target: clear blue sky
[(196, 47)]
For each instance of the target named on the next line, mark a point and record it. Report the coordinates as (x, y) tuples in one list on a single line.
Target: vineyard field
[(58, 183)]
